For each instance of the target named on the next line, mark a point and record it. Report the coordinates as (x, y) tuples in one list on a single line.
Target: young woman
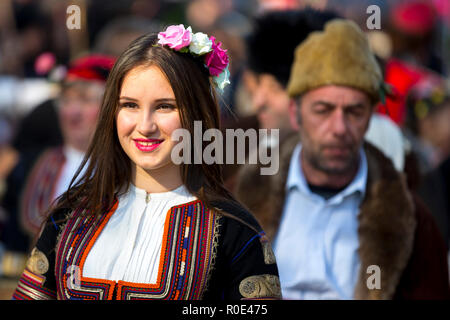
[(137, 226)]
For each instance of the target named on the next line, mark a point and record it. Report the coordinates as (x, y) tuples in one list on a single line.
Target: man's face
[(332, 121), (270, 102)]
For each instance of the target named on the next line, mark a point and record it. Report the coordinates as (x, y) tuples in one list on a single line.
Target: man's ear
[(293, 115)]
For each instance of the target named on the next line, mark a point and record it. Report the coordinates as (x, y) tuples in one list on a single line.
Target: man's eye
[(356, 112), (321, 110)]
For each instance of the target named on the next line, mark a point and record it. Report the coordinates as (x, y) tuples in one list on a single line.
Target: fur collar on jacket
[(386, 220)]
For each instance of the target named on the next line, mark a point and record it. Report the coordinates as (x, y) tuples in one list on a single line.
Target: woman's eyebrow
[(127, 98), (165, 100), (157, 100)]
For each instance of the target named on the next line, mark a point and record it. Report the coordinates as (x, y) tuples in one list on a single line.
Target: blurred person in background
[(37, 180), (427, 122), (115, 36), (269, 66), (415, 34), (223, 20), (261, 100), (428, 130), (282, 5), (337, 199), (413, 26), (25, 35)]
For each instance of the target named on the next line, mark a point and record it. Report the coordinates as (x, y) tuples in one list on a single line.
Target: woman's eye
[(166, 107), (129, 105)]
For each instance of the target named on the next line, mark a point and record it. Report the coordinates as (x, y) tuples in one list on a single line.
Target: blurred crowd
[(51, 85)]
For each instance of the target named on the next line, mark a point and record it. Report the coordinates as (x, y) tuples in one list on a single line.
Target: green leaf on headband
[(382, 95), (385, 89)]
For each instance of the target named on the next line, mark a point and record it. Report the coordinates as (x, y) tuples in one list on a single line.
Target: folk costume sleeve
[(38, 279), (246, 266)]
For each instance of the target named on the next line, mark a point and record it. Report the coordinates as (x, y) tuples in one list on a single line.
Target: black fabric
[(325, 192), (240, 255), (276, 34), (47, 245), (39, 129), (12, 235), (238, 211), (435, 192)]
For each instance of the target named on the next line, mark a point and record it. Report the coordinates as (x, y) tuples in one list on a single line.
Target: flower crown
[(199, 44)]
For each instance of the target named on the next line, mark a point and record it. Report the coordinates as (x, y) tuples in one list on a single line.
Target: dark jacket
[(396, 231)]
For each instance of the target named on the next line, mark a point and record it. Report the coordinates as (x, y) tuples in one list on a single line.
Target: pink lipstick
[(147, 145)]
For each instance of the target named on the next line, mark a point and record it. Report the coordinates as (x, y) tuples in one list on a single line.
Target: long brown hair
[(108, 168)]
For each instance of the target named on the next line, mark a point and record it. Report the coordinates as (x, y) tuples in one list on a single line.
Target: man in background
[(338, 210)]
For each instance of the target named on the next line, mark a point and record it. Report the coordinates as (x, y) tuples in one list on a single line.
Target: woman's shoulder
[(55, 221), (236, 215), (245, 254)]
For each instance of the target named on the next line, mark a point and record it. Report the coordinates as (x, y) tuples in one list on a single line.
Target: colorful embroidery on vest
[(30, 288), (187, 256), (74, 241)]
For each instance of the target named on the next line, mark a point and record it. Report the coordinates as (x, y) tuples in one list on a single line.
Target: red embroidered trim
[(30, 287)]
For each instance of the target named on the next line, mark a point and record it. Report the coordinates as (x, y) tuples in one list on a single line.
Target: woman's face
[(147, 116), (79, 106)]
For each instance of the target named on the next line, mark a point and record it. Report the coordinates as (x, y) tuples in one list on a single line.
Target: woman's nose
[(146, 123)]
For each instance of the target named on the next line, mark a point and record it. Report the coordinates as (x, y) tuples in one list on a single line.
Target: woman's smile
[(147, 145)]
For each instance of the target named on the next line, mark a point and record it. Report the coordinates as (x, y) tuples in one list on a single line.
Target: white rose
[(200, 43), (223, 79)]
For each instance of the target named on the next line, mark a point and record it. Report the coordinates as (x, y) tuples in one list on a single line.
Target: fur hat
[(275, 36), (340, 55)]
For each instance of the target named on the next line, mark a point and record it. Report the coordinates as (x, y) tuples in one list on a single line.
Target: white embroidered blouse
[(129, 246)]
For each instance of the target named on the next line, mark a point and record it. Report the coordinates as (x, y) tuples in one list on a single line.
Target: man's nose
[(339, 125)]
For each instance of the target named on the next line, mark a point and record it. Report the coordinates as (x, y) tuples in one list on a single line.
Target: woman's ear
[(293, 115)]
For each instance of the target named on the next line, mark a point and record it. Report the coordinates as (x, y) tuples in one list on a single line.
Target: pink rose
[(217, 59), (176, 37)]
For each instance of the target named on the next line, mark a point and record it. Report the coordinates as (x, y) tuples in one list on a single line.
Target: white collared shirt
[(317, 241), (129, 246), (73, 159)]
